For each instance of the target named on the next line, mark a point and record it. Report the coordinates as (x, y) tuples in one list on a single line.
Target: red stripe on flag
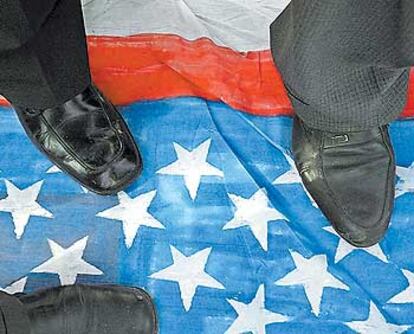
[(146, 67), (157, 66)]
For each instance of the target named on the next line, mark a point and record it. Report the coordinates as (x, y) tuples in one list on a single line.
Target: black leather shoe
[(351, 176), (79, 309), (87, 138)]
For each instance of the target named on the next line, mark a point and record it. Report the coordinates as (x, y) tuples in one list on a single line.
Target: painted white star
[(405, 182), (253, 317), (22, 204), (133, 212), (56, 169), (68, 262), (192, 165), (345, 248), (86, 191), (254, 212), (313, 275), (16, 287), (53, 170), (376, 324), (292, 175), (406, 296), (189, 272)]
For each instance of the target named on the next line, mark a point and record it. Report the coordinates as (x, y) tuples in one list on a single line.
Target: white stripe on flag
[(240, 24)]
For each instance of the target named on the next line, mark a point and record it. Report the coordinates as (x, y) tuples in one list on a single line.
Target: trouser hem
[(53, 66)]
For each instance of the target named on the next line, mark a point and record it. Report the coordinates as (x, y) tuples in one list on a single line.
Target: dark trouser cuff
[(344, 62), (52, 67), (373, 114)]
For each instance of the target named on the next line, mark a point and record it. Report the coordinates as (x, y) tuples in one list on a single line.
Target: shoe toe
[(358, 235), (119, 173), (360, 224), (357, 202), (88, 309), (129, 311), (352, 182), (119, 310), (359, 184)]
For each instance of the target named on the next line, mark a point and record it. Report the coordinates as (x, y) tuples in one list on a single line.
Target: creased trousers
[(345, 63)]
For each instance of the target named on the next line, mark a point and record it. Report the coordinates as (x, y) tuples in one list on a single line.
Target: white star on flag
[(253, 317), (313, 275), (254, 212), (68, 263), (192, 165), (133, 212), (292, 175), (189, 272), (375, 324), (22, 204), (53, 170), (345, 248), (16, 287), (405, 183), (85, 190), (406, 296)]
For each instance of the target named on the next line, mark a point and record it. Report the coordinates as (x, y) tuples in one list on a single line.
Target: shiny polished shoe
[(351, 176), (87, 138), (79, 309)]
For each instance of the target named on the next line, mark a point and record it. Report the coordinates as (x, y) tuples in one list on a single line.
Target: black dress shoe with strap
[(79, 309), (351, 176), (87, 138)]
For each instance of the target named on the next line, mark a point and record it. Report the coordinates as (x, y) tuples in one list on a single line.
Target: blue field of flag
[(218, 229)]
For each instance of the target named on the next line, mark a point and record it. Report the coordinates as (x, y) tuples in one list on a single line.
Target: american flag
[(218, 229)]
